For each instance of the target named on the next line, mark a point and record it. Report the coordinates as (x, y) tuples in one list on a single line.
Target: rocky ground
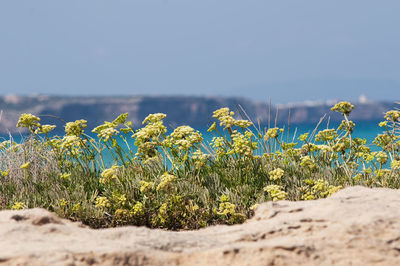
[(356, 226)]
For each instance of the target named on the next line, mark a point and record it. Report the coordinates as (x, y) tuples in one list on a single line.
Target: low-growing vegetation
[(176, 181)]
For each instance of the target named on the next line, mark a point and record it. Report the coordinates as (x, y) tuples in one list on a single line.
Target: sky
[(286, 50)]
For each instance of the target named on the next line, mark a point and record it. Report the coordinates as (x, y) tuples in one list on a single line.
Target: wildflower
[(319, 189), (102, 202), (138, 209), (276, 174), (119, 198), (243, 123), (183, 138), (28, 120), (242, 144), (76, 208), (383, 124), (326, 135), (154, 118), (44, 129), (148, 138), (393, 115), (212, 127), (307, 161), (75, 128), (25, 165), (5, 144), (62, 202), (347, 126), (254, 206), (226, 208), (166, 180), (199, 158), (225, 116), (5, 173), (120, 119), (18, 206), (272, 133), (303, 137), (71, 144), (65, 176), (325, 148), (162, 213), (382, 140), (145, 186), (395, 164), (121, 214), (109, 174), (276, 192), (381, 172), (107, 133), (224, 198), (381, 157), (343, 107)]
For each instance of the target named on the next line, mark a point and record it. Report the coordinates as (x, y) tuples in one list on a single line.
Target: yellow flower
[(166, 180), (28, 120), (65, 176), (25, 165), (303, 137), (276, 192), (343, 107), (109, 174), (154, 118), (145, 186), (224, 198), (383, 124), (62, 202), (243, 123), (75, 128), (102, 202), (276, 174), (18, 206), (272, 133), (5, 173), (212, 127), (395, 164), (138, 209), (393, 115), (45, 129)]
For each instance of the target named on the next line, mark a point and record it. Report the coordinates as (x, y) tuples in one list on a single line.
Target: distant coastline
[(190, 110)]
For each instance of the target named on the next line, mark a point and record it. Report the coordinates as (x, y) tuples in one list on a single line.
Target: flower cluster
[(272, 133), (166, 180), (109, 174), (148, 138), (225, 116), (145, 186), (75, 128), (242, 144), (276, 192), (343, 107), (276, 174), (393, 116), (102, 202), (319, 189)]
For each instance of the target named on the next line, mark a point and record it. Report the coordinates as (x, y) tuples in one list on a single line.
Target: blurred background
[(94, 59)]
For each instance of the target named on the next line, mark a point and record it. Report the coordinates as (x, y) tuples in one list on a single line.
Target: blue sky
[(288, 50)]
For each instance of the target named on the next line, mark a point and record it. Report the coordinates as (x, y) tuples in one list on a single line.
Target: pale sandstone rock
[(356, 226)]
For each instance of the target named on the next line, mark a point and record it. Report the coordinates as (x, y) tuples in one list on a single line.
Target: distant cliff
[(195, 111)]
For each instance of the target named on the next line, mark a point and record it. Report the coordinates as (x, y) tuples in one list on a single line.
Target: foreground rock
[(356, 226)]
